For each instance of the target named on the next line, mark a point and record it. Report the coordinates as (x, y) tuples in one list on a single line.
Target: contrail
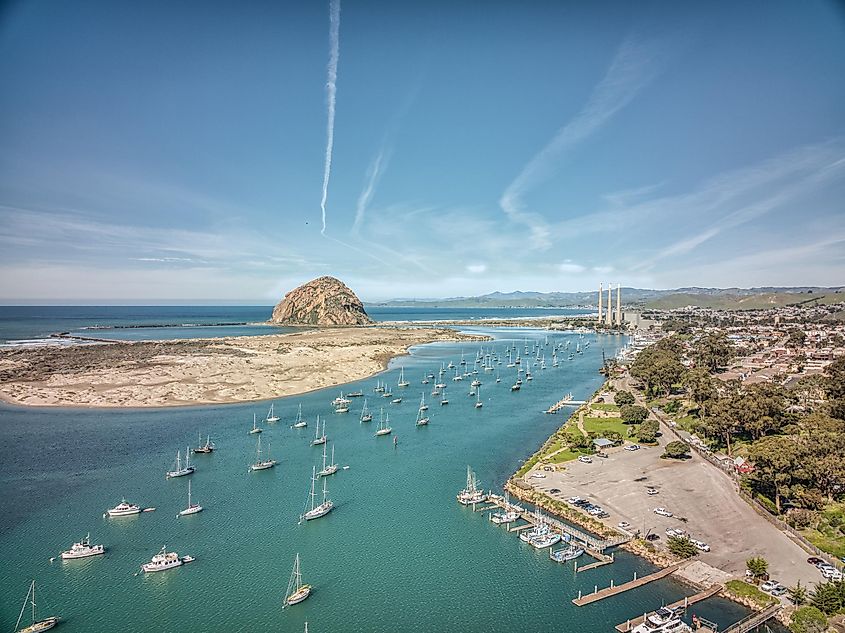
[(331, 89), (374, 172)]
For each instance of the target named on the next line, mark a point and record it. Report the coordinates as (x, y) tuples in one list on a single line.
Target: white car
[(700, 545), (538, 475), (624, 525), (675, 532), (632, 447), (652, 491), (831, 573), (769, 585), (585, 459), (662, 512), (573, 500)]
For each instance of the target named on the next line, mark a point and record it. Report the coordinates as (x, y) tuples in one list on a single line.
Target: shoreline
[(205, 372)]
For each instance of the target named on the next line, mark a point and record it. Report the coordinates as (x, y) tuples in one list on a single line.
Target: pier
[(564, 402), (601, 560), (608, 592), (627, 626)]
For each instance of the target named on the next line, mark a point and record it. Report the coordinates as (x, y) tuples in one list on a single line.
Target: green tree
[(722, 422), (633, 413), (808, 620), (713, 350), (795, 339), (828, 597), (798, 594), (681, 547), (623, 397), (758, 566), (700, 388), (647, 431), (676, 450), (835, 387), (775, 461)]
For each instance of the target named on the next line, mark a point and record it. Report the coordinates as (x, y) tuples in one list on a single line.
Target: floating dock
[(608, 592), (565, 402)]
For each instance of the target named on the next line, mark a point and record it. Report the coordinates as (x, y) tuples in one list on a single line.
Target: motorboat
[(83, 549)]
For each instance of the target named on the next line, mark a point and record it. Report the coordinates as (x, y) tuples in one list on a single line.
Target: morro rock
[(322, 301)]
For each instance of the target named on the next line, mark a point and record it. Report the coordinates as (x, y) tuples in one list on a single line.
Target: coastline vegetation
[(747, 592)]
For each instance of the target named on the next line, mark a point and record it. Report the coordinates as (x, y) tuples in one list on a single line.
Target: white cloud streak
[(374, 172), (331, 90)]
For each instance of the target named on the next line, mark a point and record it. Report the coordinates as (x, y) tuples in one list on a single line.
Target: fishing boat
[(36, 625), (570, 552), (328, 469), (193, 508), (201, 448), (319, 439), (422, 420), (664, 620), (508, 516), (297, 592), (471, 494), (383, 425), (402, 382), (354, 394), (366, 416), (271, 416), (342, 408), (83, 549), (123, 509), (262, 464), (299, 423), (255, 428), (165, 560), (316, 511), (179, 470), (423, 405), (540, 537)]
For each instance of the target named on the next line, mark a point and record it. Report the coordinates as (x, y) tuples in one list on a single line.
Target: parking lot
[(702, 500)]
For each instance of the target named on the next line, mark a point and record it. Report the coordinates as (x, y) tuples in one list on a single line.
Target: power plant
[(610, 317)]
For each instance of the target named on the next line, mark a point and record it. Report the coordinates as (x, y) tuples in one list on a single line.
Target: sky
[(229, 151)]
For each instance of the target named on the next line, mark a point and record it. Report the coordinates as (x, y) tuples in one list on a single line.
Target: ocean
[(398, 553)]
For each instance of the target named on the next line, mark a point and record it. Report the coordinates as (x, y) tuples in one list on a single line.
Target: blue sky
[(158, 152)]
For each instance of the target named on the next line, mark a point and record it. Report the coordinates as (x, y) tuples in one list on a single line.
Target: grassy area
[(744, 590), (687, 423), (603, 425), (563, 456), (829, 535), (605, 406)]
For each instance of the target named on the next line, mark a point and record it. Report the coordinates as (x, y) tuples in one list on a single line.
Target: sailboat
[(319, 439), (201, 448), (192, 508), (262, 464), (423, 405), (366, 416), (421, 421), (179, 470), (498, 379), (299, 423), (255, 428), (317, 511), (297, 592), (478, 403), (271, 416), (37, 625), (402, 382), (328, 469), (443, 398), (383, 426)]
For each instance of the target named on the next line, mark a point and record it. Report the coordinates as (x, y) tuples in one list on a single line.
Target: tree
[(758, 566), (775, 460), (623, 397), (808, 620), (713, 350), (797, 594), (633, 413), (676, 450), (829, 597), (835, 387), (700, 388), (647, 431), (795, 339), (681, 547), (721, 422)]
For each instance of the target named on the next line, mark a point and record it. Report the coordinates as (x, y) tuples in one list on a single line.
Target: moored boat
[(123, 509), (316, 511), (179, 470), (36, 625), (262, 464), (83, 549), (193, 508), (165, 560), (570, 552), (297, 591), (471, 494)]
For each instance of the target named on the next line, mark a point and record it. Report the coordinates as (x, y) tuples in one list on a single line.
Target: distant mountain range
[(725, 298)]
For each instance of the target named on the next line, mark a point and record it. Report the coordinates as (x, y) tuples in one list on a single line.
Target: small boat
[(570, 552), (396, 401), (498, 379), (504, 517), (354, 394), (328, 469), (201, 448), (271, 416), (193, 508), (423, 405), (299, 423), (319, 439), (297, 592), (443, 398), (340, 401), (123, 509), (383, 425), (402, 382), (83, 549), (36, 625), (379, 388), (316, 511), (255, 428), (262, 464), (471, 494), (478, 403), (421, 420), (165, 560), (475, 383), (342, 408), (516, 386), (178, 469), (366, 416)]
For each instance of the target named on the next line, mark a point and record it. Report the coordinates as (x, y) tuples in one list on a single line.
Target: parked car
[(814, 561), (831, 573), (624, 525), (700, 545), (574, 500), (602, 454), (632, 447), (652, 491), (675, 532), (662, 512), (585, 459), (778, 591), (555, 491), (652, 537), (769, 585)]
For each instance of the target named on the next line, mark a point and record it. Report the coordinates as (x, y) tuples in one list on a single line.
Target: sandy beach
[(203, 371)]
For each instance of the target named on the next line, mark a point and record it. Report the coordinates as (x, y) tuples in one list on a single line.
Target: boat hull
[(41, 625), (263, 465), (320, 511), (299, 595), (97, 550)]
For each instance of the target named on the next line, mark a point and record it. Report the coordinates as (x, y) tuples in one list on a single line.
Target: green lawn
[(605, 406), (603, 425), (830, 534), (687, 422), (743, 589)]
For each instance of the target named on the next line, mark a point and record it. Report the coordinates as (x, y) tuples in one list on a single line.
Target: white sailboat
[(36, 625), (201, 448), (255, 428), (193, 508), (179, 470), (478, 403), (297, 592), (319, 439), (471, 494), (299, 423), (316, 511), (271, 416), (383, 425), (443, 398), (262, 464), (402, 382), (366, 416), (423, 405), (421, 419), (328, 469)]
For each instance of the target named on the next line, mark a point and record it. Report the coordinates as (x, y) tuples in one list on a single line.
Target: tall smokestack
[(601, 288), (619, 304), (609, 319)]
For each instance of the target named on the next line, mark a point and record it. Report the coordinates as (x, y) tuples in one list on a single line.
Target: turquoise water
[(397, 554)]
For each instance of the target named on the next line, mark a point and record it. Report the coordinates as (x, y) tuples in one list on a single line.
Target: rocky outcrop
[(322, 301)]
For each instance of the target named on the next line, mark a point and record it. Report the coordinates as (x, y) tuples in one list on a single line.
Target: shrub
[(681, 547), (633, 413), (758, 566), (647, 431), (808, 620), (800, 518), (676, 450), (623, 397)]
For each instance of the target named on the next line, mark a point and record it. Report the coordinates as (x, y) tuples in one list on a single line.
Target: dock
[(608, 592), (627, 626), (566, 401), (601, 560)]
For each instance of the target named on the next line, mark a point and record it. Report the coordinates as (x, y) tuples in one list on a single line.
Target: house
[(602, 443), (743, 466)]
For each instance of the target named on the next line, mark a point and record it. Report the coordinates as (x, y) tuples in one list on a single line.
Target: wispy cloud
[(331, 90), (374, 172), (633, 66)]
